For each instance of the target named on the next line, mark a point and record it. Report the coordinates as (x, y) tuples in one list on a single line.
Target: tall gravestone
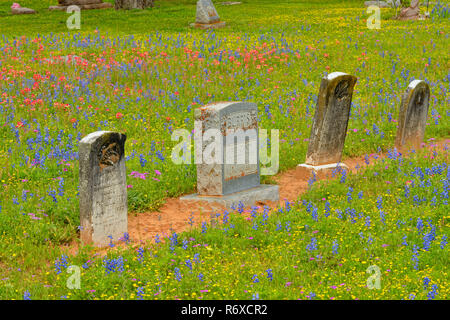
[(330, 122), (227, 155), (413, 113), (103, 191), (207, 16)]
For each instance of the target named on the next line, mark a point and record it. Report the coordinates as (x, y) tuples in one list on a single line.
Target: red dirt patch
[(174, 215)]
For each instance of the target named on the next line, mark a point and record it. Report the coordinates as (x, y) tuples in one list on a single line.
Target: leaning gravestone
[(329, 128), (227, 155), (412, 118), (207, 17), (82, 4), (103, 191)]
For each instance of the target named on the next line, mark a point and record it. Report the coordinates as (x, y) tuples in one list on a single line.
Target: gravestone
[(132, 4), (17, 9), (82, 4), (330, 122), (207, 17), (410, 13), (103, 191), (227, 155), (413, 113), (380, 4)]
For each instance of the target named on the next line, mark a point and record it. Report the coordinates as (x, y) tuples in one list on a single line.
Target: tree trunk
[(133, 4)]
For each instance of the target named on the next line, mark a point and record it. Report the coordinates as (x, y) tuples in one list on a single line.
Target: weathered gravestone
[(132, 4), (412, 118), (82, 4), (380, 4), (17, 9), (227, 155), (330, 122), (103, 191), (410, 13), (207, 17)]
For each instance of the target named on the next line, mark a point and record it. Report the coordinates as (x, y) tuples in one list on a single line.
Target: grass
[(151, 71)]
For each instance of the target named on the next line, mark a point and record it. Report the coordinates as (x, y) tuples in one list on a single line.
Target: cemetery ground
[(144, 74)]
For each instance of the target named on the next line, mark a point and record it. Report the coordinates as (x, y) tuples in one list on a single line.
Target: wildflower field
[(143, 73)]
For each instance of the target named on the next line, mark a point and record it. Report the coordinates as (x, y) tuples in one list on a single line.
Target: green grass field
[(148, 72)]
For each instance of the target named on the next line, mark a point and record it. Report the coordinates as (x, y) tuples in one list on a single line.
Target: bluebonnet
[(380, 202), (312, 245), (415, 256), (204, 228), (404, 240), (26, 295), (311, 296), (140, 252), (335, 247), (327, 209), (61, 263), (433, 293), (191, 219), (288, 226), (315, 214), (344, 176), (178, 275), (349, 194), (443, 241), (140, 293), (367, 224), (269, 274), (255, 278), (426, 282), (113, 265), (419, 225), (188, 263)]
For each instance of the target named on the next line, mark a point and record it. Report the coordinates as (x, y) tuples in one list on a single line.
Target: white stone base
[(248, 197), (318, 169)]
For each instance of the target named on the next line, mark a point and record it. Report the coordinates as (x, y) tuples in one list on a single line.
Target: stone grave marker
[(103, 190), (330, 122), (413, 115), (410, 13), (82, 4), (227, 155), (207, 16)]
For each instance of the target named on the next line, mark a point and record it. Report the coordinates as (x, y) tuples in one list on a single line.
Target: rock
[(381, 4), (230, 3), (82, 4), (410, 13), (22, 11)]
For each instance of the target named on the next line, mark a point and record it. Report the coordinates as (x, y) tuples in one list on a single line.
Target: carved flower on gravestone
[(341, 89), (109, 154)]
